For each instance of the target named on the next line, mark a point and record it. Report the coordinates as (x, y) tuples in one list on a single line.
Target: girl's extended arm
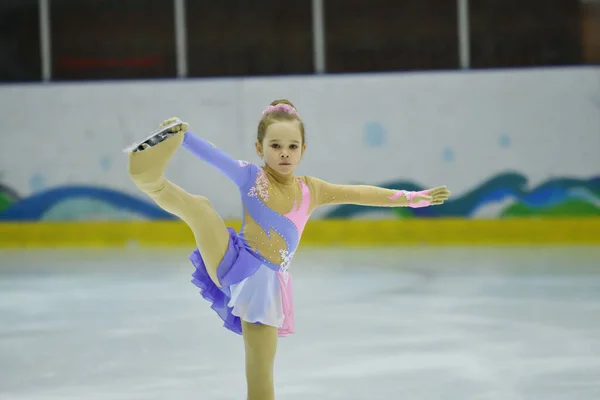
[(216, 157), (326, 193)]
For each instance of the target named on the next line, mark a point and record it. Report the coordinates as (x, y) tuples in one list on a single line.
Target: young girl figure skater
[(245, 275)]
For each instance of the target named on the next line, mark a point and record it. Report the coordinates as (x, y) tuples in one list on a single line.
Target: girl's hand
[(439, 195), (431, 197)]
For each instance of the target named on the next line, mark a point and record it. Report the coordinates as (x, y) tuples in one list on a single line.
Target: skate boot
[(148, 159), (156, 137)]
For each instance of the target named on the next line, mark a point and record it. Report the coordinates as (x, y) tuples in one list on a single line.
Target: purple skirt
[(238, 264)]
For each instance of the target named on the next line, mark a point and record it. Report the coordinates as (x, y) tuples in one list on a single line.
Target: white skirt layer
[(265, 297)]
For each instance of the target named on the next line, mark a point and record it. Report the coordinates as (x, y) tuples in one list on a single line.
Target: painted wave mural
[(505, 195), (72, 203), (502, 196)]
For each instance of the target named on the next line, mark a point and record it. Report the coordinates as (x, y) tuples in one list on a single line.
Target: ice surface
[(403, 323)]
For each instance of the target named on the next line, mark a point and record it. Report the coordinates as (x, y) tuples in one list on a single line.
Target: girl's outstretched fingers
[(439, 195), (426, 198)]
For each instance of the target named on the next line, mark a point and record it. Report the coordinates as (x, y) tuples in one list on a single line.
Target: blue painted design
[(374, 134), (105, 163), (37, 182), (448, 154), (504, 141)]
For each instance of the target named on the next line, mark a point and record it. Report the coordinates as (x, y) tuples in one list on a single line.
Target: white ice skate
[(154, 138)]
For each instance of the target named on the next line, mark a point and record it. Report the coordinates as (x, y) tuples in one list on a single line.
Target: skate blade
[(158, 135)]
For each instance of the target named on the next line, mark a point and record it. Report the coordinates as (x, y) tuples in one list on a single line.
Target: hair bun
[(283, 101)]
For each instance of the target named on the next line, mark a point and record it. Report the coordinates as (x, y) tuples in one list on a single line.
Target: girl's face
[(282, 146)]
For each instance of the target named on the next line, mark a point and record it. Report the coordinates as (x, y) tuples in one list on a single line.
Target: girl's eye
[(293, 146), (275, 146)]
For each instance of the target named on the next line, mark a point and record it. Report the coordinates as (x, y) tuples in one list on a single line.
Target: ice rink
[(403, 323)]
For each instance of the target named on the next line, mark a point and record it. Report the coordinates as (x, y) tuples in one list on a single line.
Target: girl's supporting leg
[(260, 342), (146, 169)]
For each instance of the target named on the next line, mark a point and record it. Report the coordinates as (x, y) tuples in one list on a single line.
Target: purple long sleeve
[(216, 157)]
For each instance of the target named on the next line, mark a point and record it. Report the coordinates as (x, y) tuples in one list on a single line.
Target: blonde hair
[(275, 116)]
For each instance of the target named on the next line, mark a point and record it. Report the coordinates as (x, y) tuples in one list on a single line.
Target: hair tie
[(286, 108)]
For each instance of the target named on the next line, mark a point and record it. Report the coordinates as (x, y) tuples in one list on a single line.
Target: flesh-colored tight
[(146, 169)]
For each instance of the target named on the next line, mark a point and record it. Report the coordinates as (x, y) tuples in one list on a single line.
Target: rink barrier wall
[(518, 231)]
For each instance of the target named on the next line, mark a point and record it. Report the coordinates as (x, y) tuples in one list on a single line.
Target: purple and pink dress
[(255, 288)]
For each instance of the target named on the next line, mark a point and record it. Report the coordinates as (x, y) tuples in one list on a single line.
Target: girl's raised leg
[(146, 169)]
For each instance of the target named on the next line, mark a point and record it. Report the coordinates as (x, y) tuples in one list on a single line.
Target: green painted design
[(570, 208), (5, 201), (402, 212)]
